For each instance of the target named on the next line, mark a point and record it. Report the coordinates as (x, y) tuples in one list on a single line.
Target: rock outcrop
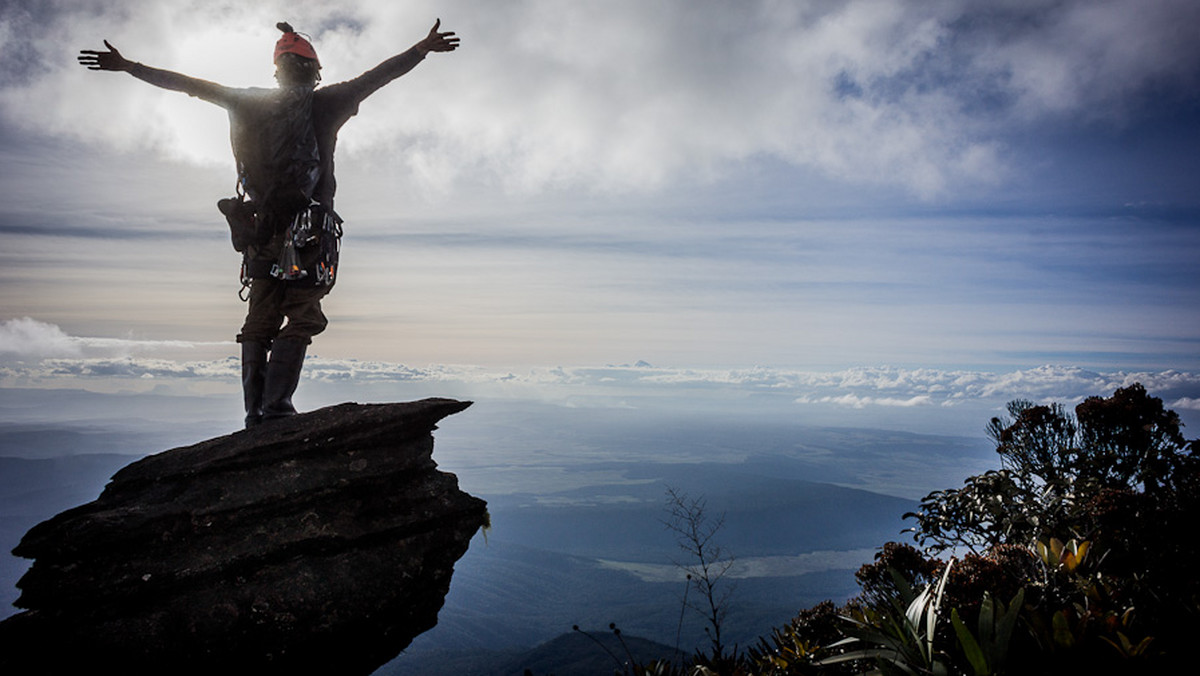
[(322, 544)]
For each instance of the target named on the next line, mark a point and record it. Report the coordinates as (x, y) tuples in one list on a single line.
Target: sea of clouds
[(39, 354)]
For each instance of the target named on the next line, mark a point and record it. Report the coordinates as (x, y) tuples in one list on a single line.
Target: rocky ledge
[(322, 543)]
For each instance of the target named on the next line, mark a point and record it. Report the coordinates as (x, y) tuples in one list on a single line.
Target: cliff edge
[(322, 543)]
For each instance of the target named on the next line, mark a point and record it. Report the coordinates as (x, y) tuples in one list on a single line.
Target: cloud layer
[(28, 340), (624, 95), (33, 352)]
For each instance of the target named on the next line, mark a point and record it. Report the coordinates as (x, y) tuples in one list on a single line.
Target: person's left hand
[(438, 42)]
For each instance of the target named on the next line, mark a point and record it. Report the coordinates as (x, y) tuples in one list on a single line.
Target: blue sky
[(816, 187)]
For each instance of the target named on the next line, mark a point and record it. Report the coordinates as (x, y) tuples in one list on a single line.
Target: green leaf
[(866, 654), (987, 625), (970, 646), (843, 642), (1004, 628), (1062, 630)]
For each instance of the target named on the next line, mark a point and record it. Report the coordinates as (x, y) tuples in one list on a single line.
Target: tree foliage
[(1076, 556), (1054, 465)]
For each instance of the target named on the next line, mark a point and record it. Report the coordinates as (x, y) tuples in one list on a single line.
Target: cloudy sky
[(704, 185)]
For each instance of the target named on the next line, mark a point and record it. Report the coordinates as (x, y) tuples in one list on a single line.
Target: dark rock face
[(322, 543)]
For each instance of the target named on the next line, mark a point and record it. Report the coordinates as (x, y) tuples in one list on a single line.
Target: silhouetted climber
[(283, 142)]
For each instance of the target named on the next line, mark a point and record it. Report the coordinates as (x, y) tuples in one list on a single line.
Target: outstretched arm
[(114, 61), (367, 83)]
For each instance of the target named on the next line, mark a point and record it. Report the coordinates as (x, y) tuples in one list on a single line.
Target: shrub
[(1076, 555)]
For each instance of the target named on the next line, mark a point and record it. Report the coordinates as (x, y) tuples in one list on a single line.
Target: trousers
[(274, 302)]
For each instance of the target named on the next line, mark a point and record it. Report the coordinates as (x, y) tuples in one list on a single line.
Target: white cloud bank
[(41, 354), (623, 94), (24, 339)]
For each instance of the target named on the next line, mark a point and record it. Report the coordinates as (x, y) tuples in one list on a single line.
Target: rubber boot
[(283, 375), (254, 374)]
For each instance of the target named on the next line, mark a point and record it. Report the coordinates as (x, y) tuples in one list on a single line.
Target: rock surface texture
[(317, 544)]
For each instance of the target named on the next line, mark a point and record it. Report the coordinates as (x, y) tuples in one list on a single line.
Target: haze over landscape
[(794, 250)]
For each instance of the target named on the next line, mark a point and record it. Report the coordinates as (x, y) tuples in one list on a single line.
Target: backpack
[(278, 163), (275, 145)]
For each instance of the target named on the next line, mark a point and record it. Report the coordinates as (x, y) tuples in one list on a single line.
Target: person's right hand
[(110, 60)]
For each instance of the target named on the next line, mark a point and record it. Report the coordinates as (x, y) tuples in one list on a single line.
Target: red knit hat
[(294, 43)]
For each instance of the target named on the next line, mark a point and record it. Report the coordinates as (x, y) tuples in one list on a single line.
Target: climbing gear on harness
[(311, 247)]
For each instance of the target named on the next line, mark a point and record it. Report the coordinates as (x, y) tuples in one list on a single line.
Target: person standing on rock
[(282, 219)]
